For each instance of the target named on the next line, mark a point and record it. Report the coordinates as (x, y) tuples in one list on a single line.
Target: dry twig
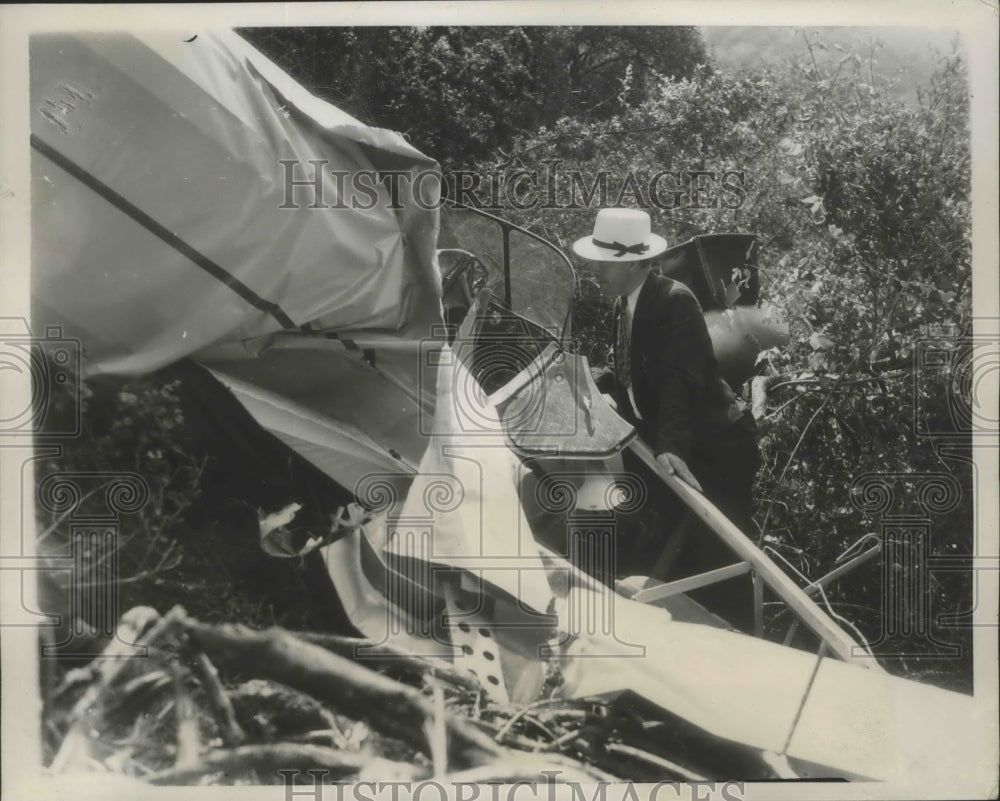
[(188, 735), (110, 667), (437, 736), (218, 700), (266, 759)]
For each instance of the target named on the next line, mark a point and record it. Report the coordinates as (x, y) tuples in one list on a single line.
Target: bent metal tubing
[(797, 600)]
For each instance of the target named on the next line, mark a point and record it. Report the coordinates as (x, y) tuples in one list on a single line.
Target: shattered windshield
[(534, 278)]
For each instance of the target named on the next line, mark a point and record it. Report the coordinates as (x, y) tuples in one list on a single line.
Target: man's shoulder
[(670, 292)]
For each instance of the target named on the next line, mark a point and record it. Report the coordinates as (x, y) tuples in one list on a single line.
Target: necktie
[(623, 345)]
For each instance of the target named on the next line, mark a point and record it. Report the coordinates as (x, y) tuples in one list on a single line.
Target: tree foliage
[(460, 93)]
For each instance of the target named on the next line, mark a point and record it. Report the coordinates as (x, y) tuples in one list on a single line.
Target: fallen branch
[(437, 736), (218, 700), (391, 708), (266, 759), (188, 735), (385, 658)]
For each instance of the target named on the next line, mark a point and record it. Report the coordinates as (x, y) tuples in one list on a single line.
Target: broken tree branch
[(218, 700), (266, 759), (391, 708), (385, 658), (188, 734)]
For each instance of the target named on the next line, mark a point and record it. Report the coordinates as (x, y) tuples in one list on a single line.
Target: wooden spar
[(660, 591), (837, 640)]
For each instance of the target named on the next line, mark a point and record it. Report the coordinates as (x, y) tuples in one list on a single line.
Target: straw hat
[(620, 235)]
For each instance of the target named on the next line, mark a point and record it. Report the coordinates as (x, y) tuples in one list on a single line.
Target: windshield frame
[(563, 334)]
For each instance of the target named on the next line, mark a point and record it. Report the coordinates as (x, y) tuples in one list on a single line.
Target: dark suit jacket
[(684, 402)]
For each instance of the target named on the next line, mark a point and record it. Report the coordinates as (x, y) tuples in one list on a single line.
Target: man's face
[(616, 277)]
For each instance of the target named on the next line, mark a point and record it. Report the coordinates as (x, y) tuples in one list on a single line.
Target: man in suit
[(666, 381)]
